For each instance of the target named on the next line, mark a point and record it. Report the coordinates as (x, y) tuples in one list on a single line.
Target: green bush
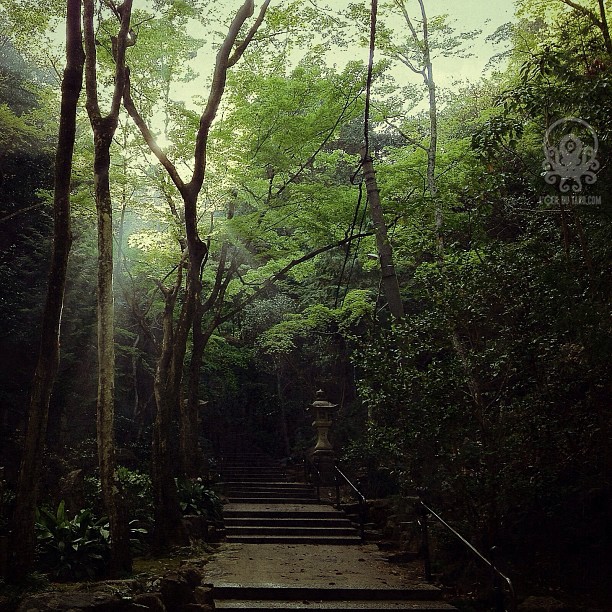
[(138, 494), (196, 498), (136, 490), (72, 548)]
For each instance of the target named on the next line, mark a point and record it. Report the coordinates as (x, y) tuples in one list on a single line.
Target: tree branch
[(130, 107), (91, 78), (18, 212), (216, 93), (584, 10), (241, 48), (294, 262)]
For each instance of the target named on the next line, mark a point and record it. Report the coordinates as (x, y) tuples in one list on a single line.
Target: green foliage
[(137, 497), (72, 548), (282, 338), (137, 494), (489, 391), (196, 498)]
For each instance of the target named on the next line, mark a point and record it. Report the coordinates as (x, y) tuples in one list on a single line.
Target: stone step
[(293, 539), (269, 493), (249, 467), (249, 484), (331, 606), (254, 477), (267, 500), (292, 530), (284, 512), (412, 592), (247, 521)]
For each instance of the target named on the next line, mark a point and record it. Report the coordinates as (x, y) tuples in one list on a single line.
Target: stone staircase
[(290, 524), (284, 542), (238, 597), (265, 508)]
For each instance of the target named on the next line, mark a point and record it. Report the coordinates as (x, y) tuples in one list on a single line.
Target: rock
[(403, 557), (542, 604), (192, 575), (213, 533), (148, 601), (379, 510), (176, 590), (59, 602), (204, 595)]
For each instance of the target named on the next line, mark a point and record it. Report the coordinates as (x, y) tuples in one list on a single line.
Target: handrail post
[(425, 542), (337, 484)]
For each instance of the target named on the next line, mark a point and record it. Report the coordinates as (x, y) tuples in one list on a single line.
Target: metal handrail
[(360, 497), (497, 574)]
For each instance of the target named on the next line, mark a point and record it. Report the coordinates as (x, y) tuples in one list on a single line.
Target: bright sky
[(464, 15), (486, 15)]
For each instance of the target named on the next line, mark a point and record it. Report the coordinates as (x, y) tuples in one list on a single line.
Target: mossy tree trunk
[(22, 533), (104, 128)]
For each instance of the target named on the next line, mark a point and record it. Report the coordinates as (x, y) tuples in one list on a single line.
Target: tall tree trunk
[(121, 559), (22, 533), (168, 526), (390, 284), (104, 129), (191, 456), (188, 426), (432, 149)]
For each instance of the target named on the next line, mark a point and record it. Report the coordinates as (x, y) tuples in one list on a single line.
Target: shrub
[(195, 498), (72, 549)]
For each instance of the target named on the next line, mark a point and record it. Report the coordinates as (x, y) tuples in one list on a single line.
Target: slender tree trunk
[(189, 414), (22, 534), (168, 526), (170, 366), (120, 551), (190, 454), (390, 284), (604, 26), (432, 149), (104, 129)]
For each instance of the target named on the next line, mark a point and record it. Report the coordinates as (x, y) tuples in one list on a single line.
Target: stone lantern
[(323, 414)]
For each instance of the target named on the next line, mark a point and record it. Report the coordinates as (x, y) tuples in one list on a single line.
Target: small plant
[(137, 492), (72, 548), (196, 498), (137, 500)]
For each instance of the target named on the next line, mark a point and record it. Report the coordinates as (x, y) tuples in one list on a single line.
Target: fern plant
[(72, 548)]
